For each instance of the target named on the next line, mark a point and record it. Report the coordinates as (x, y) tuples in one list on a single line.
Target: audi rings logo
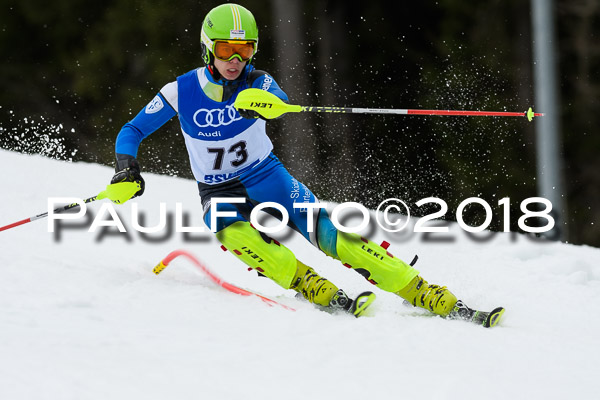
[(216, 117)]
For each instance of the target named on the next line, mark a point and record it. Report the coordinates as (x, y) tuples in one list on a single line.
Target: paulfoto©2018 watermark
[(392, 215)]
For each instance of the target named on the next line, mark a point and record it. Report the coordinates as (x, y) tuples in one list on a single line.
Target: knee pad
[(374, 262), (263, 254)]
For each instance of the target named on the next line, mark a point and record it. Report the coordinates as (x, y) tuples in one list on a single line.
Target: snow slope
[(84, 317)]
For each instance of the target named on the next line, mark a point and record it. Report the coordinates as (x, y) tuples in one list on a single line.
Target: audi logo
[(216, 117)]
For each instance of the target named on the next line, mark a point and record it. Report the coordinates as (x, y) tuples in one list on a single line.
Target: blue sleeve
[(152, 117), (266, 82)]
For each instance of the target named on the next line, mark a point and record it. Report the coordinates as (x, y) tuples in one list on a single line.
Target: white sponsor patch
[(267, 83), (237, 34), (216, 117), (155, 105)]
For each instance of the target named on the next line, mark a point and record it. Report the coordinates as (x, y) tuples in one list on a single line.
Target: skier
[(231, 156)]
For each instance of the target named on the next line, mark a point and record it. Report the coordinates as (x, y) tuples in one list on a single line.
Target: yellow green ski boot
[(325, 294), (437, 299)]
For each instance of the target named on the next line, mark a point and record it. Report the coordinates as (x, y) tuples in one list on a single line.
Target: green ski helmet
[(230, 22)]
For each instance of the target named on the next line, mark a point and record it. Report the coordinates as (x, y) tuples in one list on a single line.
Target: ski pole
[(43, 215), (270, 106), (116, 192)]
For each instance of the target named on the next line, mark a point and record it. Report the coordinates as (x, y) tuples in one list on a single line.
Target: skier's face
[(230, 70)]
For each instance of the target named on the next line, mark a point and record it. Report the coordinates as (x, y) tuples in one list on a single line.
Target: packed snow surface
[(83, 316)]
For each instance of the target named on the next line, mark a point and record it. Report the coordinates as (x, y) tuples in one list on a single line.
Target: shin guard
[(271, 259), (373, 262)]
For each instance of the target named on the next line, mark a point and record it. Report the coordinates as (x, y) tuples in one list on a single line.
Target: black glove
[(249, 114), (128, 170)]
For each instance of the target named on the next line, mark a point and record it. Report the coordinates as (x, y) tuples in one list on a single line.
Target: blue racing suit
[(231, 157)]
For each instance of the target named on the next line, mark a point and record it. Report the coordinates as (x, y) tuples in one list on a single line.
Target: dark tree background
[(73, 72)]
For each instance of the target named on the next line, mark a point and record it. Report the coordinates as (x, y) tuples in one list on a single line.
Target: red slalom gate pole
[(213, 277)]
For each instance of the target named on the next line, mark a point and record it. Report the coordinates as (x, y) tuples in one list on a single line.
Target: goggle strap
[(207, 41)]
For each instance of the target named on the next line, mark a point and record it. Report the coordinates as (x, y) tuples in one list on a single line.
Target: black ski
[(340, 302), (483, 318), (461, 312)]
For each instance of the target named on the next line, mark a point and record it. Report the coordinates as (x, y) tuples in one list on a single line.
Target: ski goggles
[(227, 50)]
